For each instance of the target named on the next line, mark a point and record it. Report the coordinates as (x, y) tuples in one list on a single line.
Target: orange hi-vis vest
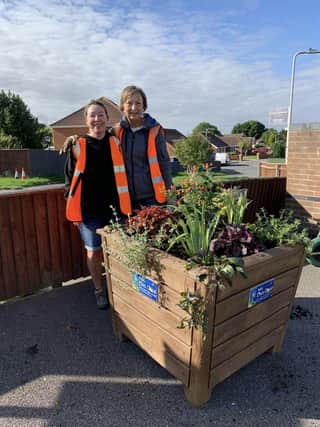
[(155, 172), (73, 211)]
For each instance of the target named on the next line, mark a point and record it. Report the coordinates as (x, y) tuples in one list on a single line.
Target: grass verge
[(17, 184)]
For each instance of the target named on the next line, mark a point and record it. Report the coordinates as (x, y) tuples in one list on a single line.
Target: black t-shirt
[(98, 182)]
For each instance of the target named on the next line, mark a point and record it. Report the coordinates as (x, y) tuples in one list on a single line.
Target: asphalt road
[(246, 168), (60, 365)]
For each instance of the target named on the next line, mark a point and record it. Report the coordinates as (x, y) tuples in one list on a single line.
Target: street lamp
[(310, 51)]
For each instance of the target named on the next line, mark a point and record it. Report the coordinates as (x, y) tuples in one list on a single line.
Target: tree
[(269, 136), (206, 128), (251, 128), (244, 146), (193, 151), (18, 124), (276, 141), (9, 141)]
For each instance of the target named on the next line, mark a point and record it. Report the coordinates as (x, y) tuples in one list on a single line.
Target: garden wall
[(39, 248), (303, 172)]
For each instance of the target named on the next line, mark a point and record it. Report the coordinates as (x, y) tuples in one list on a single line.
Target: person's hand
[(71, 140), (76, 223)]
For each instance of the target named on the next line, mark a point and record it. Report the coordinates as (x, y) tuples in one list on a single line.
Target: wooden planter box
[(236, 333)]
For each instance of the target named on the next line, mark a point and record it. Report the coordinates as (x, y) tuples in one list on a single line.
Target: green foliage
[(9, 141), (19, 124), (197, 189), (135, 246), (195, 307), (244, 146), (276, 141), (192, 151), (233, 203), (277, 231), (194, 231), (250, 128), (278, 149), (207, 129), (7, 183)]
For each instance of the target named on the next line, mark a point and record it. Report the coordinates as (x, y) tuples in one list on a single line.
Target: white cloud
[(58, 55)]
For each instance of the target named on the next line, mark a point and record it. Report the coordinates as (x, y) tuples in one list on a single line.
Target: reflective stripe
[(153, 160), (122, 189), (118, 169), (76, 150), (157, 179), (155, 131), (77, 172), (116, 140)]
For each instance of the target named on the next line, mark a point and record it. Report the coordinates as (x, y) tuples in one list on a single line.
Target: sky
[(224, 62)]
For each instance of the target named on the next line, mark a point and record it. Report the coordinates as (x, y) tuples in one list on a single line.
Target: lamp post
[(310, 51)]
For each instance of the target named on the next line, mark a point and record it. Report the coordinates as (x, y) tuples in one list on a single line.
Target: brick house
[(74, 123)]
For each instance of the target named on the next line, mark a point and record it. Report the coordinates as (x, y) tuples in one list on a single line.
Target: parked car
[(223, 158), (260, 150)]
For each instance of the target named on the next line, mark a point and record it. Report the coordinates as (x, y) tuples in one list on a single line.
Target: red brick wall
[(60, 134), (303, 170)]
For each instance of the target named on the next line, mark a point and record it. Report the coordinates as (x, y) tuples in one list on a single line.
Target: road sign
[(278, 116)]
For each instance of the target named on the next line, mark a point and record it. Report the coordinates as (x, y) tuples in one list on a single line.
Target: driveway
[(60, 365)]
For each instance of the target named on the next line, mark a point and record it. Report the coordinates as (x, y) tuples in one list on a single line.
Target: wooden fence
[(39, 248), (267, 169)]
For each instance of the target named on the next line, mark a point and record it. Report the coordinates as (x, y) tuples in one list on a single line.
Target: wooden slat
[(237, 303), (162, 340), (173, 271), (236, 344), (264, 265), (42, 232), (168, 297), (54, 238), (30, 236), (161, 353), (157, 314), (8, 288), (241, 359), (65, 241), (19, 246), (76, 252), (250, 317)]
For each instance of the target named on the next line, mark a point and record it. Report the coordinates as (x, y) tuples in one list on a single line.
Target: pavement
[(61, 365)]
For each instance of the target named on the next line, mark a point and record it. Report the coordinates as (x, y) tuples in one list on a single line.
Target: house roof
[(216, 141), (172, 135), (233, 139), (76, 119)]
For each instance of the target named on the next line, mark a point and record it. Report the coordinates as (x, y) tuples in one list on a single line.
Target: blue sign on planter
[(145, 286), (261, 292)]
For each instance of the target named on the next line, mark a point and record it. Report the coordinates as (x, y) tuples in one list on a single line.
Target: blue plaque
[(260, 292), (145, 286)]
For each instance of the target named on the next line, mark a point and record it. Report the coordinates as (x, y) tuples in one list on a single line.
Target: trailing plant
[(219, 273), (135, 246), (195, 307)]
